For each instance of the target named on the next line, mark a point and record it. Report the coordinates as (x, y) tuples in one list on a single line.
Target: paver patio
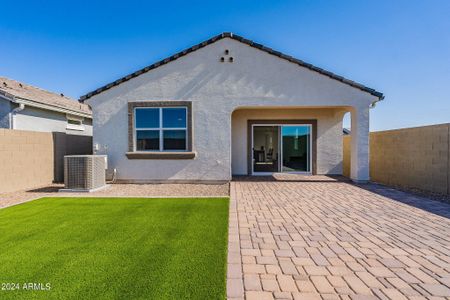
[(329, 239)]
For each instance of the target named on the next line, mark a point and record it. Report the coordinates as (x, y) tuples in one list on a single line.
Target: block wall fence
[(417, 158), (30, 159)]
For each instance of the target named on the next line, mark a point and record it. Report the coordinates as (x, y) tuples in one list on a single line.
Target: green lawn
[(115, 248)]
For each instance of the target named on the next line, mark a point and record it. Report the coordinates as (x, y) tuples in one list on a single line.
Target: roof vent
[(227, 56)]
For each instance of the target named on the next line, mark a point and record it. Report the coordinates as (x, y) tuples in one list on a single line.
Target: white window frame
[(160, 129), (79, 127)]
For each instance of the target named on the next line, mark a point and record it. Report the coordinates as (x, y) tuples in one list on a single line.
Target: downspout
[(13, 113)]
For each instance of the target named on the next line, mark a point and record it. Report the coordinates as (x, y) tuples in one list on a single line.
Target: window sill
[(161, 155), (75, 127)]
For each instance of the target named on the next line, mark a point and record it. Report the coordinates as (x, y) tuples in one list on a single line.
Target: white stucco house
[(26, 107), (229, 106)]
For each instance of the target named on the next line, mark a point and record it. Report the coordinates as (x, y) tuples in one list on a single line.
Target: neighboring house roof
[(29, 95), (242, 40)]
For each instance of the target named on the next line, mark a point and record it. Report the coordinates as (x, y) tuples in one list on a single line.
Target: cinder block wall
[(26, 159), (68, 144), (30, 159), (412, 157)]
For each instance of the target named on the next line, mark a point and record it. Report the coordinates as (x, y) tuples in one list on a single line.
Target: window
[(161, 128), (74, 123)]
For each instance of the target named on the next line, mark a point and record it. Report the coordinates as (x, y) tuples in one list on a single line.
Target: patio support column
[(359, 171)]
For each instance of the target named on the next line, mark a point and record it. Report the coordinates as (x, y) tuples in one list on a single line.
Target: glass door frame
[(280, 148)]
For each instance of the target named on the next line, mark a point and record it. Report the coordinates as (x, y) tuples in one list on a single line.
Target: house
[(26, 107), (229, 106)]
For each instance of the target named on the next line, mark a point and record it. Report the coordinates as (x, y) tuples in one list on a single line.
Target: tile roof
[(242, 40), (10, 87)]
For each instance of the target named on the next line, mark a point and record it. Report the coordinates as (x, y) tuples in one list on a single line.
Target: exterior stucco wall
[(37, 119), (329, 135), (216, 89)]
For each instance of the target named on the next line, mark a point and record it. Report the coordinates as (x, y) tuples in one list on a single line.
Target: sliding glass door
[(296, 141), (266, 149), (281, 148)]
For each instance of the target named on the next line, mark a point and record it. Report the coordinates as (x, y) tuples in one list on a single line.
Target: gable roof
[(34, 96), (242, 40)]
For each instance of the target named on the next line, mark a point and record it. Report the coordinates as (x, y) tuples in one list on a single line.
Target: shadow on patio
[(415, 200), (419, 201)]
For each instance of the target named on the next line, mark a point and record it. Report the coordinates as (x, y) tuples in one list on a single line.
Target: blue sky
[(401, 48)]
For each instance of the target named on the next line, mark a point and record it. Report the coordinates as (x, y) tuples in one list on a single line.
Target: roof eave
[(52, 107)]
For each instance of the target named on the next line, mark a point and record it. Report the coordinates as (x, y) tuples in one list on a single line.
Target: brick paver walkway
[(334, 240)]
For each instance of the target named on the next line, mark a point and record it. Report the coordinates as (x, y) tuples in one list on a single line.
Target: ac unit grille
[(84, 172)]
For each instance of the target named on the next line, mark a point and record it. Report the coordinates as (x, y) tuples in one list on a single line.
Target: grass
[(115, 248)]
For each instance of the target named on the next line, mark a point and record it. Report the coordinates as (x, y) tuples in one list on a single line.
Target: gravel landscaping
[(121, 190)]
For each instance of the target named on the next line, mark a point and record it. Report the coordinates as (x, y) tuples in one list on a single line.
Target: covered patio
[(298, 140)]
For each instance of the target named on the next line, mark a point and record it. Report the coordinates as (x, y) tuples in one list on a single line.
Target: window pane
[(147, 140), (296, 148), (74, 122), (174, 139), (174, 117), (147, 117)]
